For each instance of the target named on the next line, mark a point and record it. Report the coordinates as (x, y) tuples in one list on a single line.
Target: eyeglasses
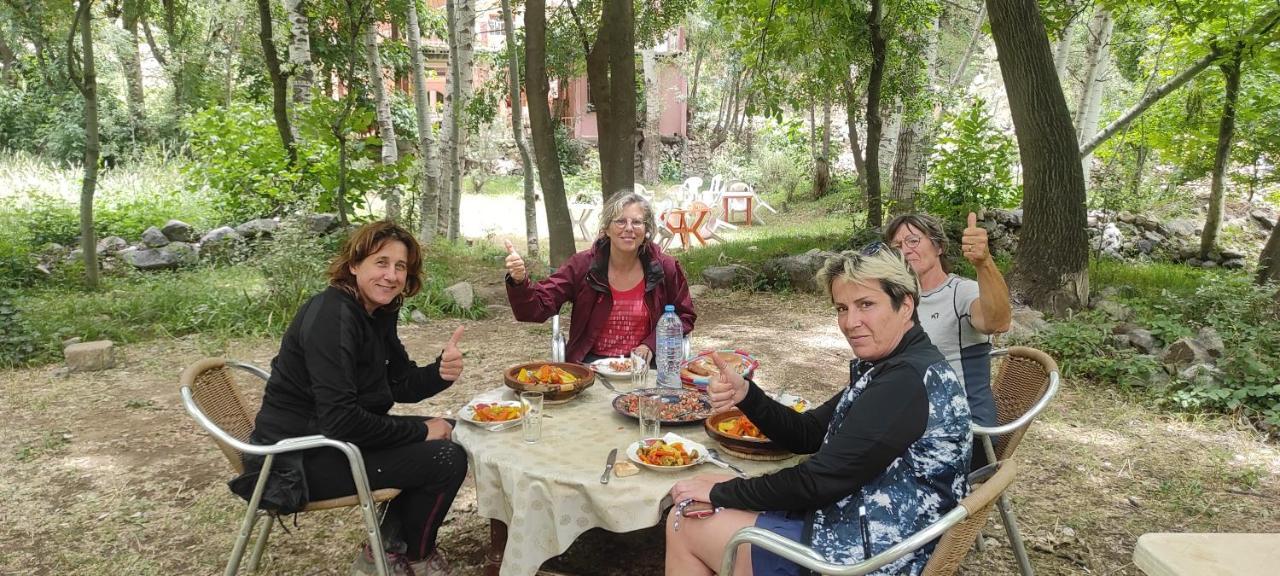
[(873, 248), (910, 242), (627, 223)]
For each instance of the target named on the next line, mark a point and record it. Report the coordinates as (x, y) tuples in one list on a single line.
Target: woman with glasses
[(958, 314), (618, 287), (889, 451)]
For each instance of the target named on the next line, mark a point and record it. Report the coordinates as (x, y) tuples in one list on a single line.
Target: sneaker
[(433, 565), (398, 564)]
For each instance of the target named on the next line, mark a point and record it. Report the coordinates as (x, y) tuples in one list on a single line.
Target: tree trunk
[(466, 29), (517, 129), (448, 126), (1269, 260), (968, 51), (911, 162), (875, 213), (1051, 267), (1099, 54), (279, 106), (611, 77), (1062, 54), (822, 160), (386, 129), (851, 105), (8, 64), (651, 150), (691, 105), (300, 72), (428, 168), (86, 79), (132, 64), (1226, 129), (559, 224)]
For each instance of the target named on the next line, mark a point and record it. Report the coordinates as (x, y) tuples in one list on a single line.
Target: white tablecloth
[(549, 493)]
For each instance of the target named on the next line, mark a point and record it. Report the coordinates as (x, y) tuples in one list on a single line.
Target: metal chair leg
[(264, 533), (250, 518), (1015, 537)]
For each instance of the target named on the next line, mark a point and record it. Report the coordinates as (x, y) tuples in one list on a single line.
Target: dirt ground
[(104, 473)]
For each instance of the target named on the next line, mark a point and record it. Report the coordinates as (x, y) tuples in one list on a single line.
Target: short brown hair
[(366, 240), (932, 228)]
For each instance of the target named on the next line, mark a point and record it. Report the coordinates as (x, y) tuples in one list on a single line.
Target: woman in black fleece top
[(340, 368), (889, 451)]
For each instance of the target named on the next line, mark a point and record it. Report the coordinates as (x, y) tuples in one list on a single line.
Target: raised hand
[(451, 357), (974, 242), (727, 388), (515, 264)]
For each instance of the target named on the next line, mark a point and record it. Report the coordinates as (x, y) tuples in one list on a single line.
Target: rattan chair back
[(954, 546), (1023, 379), (215, 393)]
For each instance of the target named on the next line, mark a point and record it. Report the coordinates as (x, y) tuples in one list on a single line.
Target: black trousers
[(427, 473)]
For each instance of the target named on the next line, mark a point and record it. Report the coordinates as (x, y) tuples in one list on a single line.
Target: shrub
[(238, 154), (972, 167), (571, 153), (18, 342)]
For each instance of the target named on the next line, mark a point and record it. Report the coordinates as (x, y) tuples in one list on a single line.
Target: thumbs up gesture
[(515, 264), (451, 358), (974, 242), (727, 388)]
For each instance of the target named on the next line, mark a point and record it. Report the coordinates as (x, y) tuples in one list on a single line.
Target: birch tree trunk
[(651, 150), (428, 168), (386, 129), (85, 77), (961, 68), (517, 129), (1099, 54), (852, 102), (914, 139), (1226, 130), (1062, 53), (448, 121), (466, 27), (300, 72)]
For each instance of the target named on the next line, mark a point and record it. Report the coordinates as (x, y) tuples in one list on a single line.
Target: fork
[(502, 426)]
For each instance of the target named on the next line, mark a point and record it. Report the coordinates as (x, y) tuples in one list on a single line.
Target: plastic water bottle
[(670, 347)]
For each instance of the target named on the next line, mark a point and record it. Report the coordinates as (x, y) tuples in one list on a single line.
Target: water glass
[(650, 412), (532, 423), (639, 372)]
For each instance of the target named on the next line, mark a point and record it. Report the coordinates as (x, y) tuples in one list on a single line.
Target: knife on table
[(713, 456), (608, 466)]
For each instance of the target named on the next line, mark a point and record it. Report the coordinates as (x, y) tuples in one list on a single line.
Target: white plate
[(468, 412), (797, 403), (602, 367), (633, 452)]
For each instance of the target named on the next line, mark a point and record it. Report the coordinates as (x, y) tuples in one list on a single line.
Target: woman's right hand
[(439, 429), (515, 264), (727, 388)]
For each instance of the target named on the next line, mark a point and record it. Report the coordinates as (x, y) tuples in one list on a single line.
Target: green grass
[(1136, 278)]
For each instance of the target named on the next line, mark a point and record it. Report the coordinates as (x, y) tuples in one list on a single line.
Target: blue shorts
[(785, 524)]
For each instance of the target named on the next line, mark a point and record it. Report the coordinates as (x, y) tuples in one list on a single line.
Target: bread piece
[(624, 469)]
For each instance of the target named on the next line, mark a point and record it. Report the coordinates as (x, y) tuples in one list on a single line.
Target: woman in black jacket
[(340, 368)]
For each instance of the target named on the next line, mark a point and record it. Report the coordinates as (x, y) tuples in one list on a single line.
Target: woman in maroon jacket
[(618, 286)]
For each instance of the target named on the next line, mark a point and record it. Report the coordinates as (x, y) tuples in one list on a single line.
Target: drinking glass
[(639, 372), (650, 412), (532, 423)]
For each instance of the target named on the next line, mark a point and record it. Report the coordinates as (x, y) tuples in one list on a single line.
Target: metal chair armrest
[(807, 558), (1027, 417)]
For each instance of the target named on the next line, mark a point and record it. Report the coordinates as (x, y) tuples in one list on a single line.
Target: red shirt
[(627, 325)]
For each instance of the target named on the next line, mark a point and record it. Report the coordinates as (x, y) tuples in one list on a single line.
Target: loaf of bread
[(624, 469)]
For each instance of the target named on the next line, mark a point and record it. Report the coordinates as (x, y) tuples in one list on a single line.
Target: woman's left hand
[(451, 358), (697, 488), (643, 351)]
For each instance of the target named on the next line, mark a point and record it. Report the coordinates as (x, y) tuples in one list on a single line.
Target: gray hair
[(878, 262), (614, 206)]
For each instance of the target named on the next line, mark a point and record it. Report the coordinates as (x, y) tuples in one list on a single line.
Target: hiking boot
[(397, 564)]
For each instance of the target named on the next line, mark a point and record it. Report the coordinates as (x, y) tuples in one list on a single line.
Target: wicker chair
[(1024, 384), (955, 532), (210, 395)]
